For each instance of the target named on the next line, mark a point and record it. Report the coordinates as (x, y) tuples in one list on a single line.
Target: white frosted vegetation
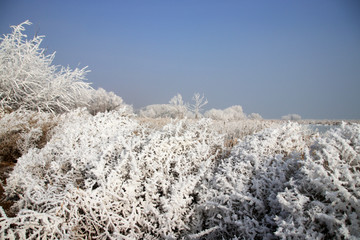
[(197, 106), (28, 79), (288, 184), (103, 101), (107, 176), (176, 108), (158, 111), (294, 117), (255, 116), (232, 113)]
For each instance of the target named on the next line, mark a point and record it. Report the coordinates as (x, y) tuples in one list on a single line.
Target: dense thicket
[(108, 176)]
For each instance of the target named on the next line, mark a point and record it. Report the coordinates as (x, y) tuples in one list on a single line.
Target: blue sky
[(272, 57)]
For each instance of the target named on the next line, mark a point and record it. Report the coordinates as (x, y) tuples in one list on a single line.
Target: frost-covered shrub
[(285, 183), (232, 113), (28, 79), (156, 111), (241, 201), (197, 106), (103, 101), (294, 117), (163, 111), (106, 176), (255, 116), (329, 189), (22, 130), (176, 108), (180, 108), (215, 114)]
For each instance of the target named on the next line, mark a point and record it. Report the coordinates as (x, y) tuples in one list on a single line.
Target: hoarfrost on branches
[(294, 117), (255, 116), (179, 106), (232, 113), (158, 111), (198, 104), (103, 101), (29, 80), (107, 176), (110, 176), (288, 183)]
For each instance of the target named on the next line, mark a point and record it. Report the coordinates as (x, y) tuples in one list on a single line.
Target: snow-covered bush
[(163, 111), (197, 106), (158, 111), (176, 108), (241, 200), (294, 117), (28, 79), (103, 101), (106, 176), (255, 116), (179, 106), (232, 113), (285, 183), (326, 202), (215, 114)]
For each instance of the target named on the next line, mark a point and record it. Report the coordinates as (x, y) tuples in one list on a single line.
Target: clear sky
[(272, 57)]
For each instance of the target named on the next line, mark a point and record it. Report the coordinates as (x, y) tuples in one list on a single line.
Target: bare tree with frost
[(179, 105), (103, 101), (198, 105), (293, 117), (29, 80)]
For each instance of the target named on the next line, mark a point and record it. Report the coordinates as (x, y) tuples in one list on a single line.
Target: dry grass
[(23, 130), (155, 123), (19, 132)]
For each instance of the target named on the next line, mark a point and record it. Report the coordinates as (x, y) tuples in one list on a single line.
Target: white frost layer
[(107, 176)]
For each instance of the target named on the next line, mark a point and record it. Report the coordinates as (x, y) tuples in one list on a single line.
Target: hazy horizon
[(271, 57)]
